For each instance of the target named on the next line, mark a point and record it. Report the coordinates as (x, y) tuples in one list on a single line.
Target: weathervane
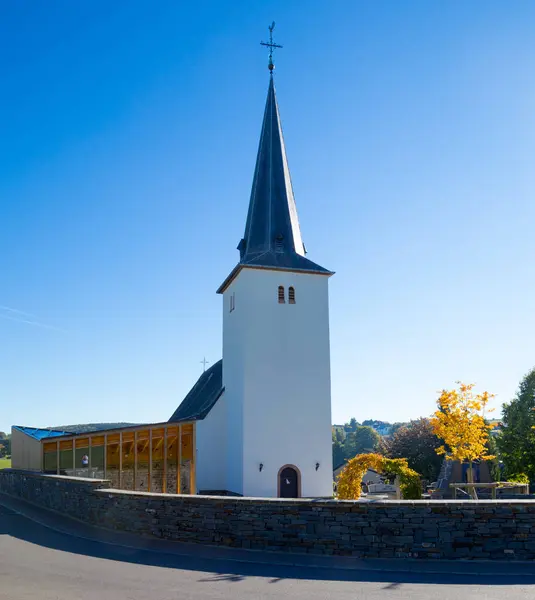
[(271, 45)]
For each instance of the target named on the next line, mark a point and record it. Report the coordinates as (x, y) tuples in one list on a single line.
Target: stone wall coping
[(211, 497), (312, 501), (38, 474)]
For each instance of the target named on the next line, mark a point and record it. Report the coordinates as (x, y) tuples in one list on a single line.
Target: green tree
[(338, 454), (362, 440), (352, 425), (494, 463), (516, 442), (338, 450), (5, 447), (396, 426), (416, 442), (338, 436)]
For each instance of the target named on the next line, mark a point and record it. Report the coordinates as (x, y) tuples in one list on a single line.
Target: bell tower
[(276, 354)]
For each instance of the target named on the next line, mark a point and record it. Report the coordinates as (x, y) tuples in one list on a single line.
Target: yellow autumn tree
[(460, 423), (350, 479)]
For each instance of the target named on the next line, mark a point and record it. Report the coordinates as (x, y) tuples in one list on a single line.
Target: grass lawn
[(5, 463)]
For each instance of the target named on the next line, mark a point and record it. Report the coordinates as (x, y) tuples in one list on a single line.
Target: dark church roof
[(202, 396), (93, 427), (272, 236)]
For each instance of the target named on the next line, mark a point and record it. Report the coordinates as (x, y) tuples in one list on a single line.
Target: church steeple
[(272, 237), (272, 224), (276, 355)]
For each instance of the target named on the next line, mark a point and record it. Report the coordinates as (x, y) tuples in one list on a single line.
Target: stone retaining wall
[(436, 529)]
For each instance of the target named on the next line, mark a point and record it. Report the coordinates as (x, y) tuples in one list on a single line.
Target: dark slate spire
[(272, 223), (272, 236)]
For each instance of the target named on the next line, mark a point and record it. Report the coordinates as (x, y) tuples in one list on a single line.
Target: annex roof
[(202, 396), (39, 434)]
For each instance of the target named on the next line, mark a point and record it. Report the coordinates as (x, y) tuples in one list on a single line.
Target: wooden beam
[(90, 463), (193, 463), (73, 457), (179, 463), (57, 457), (105, 455), (135, 460), (164, 483), (67, 437), (150, 460), (121, 460)]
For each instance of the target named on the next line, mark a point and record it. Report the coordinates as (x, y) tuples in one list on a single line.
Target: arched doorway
[(289, 484)]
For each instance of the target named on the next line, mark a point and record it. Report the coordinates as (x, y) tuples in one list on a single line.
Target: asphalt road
[(39, 562)]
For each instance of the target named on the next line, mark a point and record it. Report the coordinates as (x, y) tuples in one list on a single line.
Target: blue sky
[(128, 134)]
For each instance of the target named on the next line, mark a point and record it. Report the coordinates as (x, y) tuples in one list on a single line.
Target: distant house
[(496, 427), (383, 430)]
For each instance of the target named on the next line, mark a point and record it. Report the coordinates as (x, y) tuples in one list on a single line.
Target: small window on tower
[(281, 295), (291, 295), (232, 302)]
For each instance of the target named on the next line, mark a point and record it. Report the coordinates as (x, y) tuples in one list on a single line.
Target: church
[(258, 422), (264, 412)]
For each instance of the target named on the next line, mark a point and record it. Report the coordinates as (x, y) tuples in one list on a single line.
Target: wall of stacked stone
[(126, 480), (421, 529)]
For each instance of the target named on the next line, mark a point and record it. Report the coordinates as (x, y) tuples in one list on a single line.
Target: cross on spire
[(271, 45), (204, 362)]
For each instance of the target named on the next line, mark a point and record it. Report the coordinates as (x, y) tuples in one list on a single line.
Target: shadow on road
[(235, 570)]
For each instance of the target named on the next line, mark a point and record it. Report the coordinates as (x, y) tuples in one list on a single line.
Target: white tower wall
[(276, 373)]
